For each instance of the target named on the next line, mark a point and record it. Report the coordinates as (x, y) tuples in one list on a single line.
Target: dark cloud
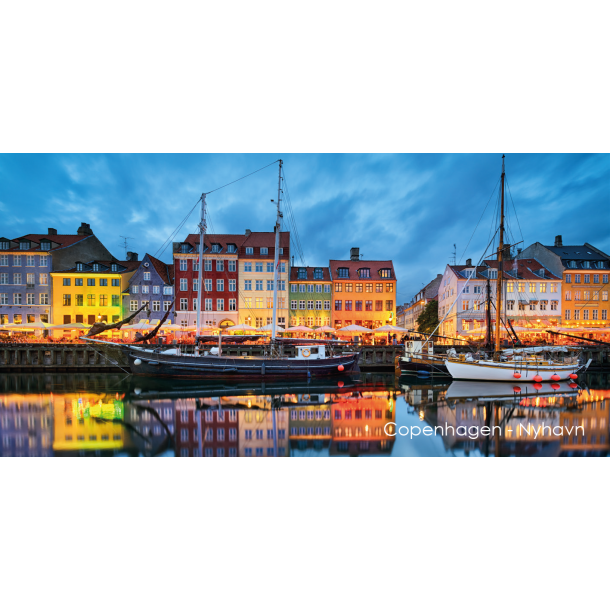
[(408, 208)]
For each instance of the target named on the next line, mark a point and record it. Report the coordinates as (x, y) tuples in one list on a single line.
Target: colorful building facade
[(310, 296), (364, 292), (91, 291), (26, 264), (151, 284), (586, 272), (256, 276), (220, 279)]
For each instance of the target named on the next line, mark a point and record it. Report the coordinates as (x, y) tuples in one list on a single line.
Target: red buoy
[(516, 389), (555, 386), (555, 377), (340, 367), (573, 385), (340, 384), (573, 376), (538, 386), (517, 375), (537, 378)]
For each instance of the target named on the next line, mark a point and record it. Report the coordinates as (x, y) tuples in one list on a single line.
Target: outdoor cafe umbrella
[(70, 326), (141, 325), (325, 329), (354, 328), (243, 327), (388, 328), (269, 328), (26, 327), (298, 329)]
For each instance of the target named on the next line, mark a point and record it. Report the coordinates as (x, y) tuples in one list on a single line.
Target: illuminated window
[(378, 305), (390, 288), (358, 287)]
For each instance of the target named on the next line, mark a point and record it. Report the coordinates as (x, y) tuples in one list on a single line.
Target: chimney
[(468, 262), (84, 229), (558, 241), (132, 256), (248, 232), (507, 255), (52, 231), (354, 254)]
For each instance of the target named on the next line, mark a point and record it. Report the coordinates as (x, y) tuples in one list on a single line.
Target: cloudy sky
[(409, 208)]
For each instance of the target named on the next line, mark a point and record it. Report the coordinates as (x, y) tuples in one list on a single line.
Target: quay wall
[(37, 357)]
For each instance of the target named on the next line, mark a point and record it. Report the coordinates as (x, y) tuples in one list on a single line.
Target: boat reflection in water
[(506, 419), (108, 414)]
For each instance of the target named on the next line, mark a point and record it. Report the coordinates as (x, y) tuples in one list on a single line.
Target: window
[(183, 264), (115, 282), (166, 305), (269, 284), (116, 300), (232, 265), (207, 265), (258, 267), (604, 314), (605, 278), (194, 304), (587, 278), (358, 305), (364, 272), (30, 261), (348, 305), (595, 314), (368, 305), (247, 267), (327, 305), (259, 285), (259, 302), (301, 304), (30, 299), (378, 305), (387, 273), (577, 278), (577, 314), (596, 278), (220, 304), (220, 285), (24, 245), (247, 284), (337, 305), (309, 304), (67, 300), (67, 281), (532, 286), (566, 314), (30, 278), (281, 285), (44, 298), (389, 305), (207, 305), (358, 287), (183, 304), (264, 251), (133, 306), (104, 282), (103, 300), (604, 295)]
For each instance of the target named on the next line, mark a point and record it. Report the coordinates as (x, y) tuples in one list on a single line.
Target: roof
[(63, 240), (261, 239), (165, 271), (353, 266), (128, 267), (578, 254), (294, 272), (518, 268), (223, 239)]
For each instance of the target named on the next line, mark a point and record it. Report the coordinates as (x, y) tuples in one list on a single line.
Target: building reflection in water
[(58, 415)]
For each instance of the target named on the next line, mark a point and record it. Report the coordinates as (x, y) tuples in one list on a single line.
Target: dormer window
[(231, 248), (281, 251), (114, 267), (493, 274), (364, 272), (586, 265), (264, 251), (184, 248), (572, 264), (249, 250), (79, 266), (4, 244), (215, 248), (302, 274), (468, 273), (600, 264), (541, 272), (24, 245), (96, 267), (318, 273), (343, 272), (45, 245), (385, 273)]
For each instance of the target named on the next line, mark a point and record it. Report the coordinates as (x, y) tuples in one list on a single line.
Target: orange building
[(364, 292)]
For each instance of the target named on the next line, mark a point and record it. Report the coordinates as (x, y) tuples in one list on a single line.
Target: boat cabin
[(310, 352), (414, 349)]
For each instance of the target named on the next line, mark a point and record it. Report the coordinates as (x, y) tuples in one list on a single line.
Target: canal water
[(365, 415)]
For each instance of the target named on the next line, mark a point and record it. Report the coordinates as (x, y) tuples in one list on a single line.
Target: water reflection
[(367, 415)]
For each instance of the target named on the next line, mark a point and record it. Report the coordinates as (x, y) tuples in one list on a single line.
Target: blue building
[(151, 284), (26, 264)]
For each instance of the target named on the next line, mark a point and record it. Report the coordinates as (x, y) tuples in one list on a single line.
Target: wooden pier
[(70, 357)]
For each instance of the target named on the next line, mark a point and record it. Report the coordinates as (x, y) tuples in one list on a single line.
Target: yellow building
[(91, 292), (256, 258), (258, 433)]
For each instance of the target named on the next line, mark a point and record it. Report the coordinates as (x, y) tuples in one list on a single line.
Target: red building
[(219, 277), (219, 431)]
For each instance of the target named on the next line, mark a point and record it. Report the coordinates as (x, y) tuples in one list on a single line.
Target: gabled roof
[(294, 274), (586, 252), (63, 241), (353, 266), (165, 271)]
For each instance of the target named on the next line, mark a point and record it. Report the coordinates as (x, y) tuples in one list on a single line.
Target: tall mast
[(500, 266), (202, 228), (277, 253)]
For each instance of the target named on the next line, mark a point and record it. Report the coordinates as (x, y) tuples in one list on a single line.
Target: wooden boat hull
[(152, 364), (422, 366), (505, 371)]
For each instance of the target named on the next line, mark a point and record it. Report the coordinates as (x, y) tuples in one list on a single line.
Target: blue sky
[(409, 208)]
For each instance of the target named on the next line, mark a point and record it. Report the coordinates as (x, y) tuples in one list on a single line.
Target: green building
[(310, 296)]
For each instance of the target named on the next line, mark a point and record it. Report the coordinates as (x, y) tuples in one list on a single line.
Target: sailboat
[(309, 361), (525, 364)]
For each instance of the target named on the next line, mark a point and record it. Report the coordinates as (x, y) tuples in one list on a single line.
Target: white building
[(531, 296)]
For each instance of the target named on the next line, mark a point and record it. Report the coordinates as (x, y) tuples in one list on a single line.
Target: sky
[(410, 208)]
